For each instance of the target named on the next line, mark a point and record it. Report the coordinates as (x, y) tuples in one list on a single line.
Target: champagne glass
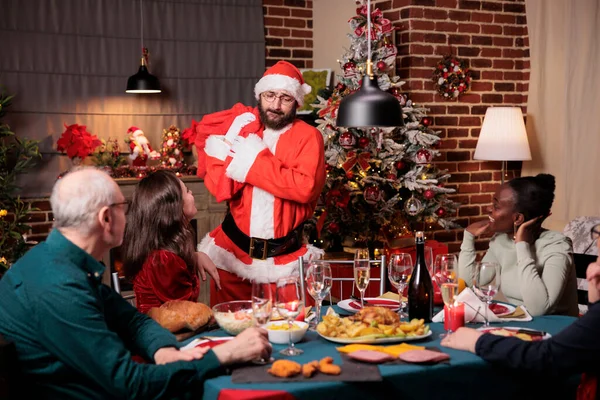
[(429, 260), (446, 276), (399, 269), (487, 283), (362, 272), (262, 306), (289, 305), (319, 281)]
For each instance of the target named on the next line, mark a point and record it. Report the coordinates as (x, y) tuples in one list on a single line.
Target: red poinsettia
[(76, 141)]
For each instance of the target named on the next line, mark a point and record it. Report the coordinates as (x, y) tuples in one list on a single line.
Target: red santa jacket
[(272, 184)]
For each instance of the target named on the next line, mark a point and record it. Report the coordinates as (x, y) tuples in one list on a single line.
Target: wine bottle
[(420, 286)]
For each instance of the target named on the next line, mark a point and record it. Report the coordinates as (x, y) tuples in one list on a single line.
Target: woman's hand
[(593, 278), (479, 228), (463, 339), (251, 344), (529, 231), (205, 265), (168, 355)]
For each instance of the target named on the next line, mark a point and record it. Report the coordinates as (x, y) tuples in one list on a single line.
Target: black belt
[(262, 248)]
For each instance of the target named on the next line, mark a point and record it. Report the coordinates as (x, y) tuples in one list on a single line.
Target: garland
[(452, 77)]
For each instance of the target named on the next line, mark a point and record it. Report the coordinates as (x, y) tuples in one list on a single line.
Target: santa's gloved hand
[(238, 123)]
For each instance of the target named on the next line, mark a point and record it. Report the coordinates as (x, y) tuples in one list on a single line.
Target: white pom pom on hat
[(283, 76)]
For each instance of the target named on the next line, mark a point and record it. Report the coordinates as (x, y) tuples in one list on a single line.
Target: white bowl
[(234, 316), (283, 336)]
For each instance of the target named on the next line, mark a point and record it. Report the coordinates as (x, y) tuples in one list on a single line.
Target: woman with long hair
[(536, 264), (158, 246)]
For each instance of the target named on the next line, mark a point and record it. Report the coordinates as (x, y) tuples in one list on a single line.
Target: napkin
[(394, 351), (391, 296), (475, 310)]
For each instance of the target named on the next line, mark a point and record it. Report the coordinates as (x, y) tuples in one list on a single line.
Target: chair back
[(10, 376), (116, 284), (379, 262), (581, 262)]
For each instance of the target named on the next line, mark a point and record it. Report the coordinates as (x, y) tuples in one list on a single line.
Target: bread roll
[(177, 315)]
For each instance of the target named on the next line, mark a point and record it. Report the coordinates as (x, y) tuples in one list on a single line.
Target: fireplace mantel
[(209, 216)]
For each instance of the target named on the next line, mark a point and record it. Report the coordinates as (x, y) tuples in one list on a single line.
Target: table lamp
[(503, 137)]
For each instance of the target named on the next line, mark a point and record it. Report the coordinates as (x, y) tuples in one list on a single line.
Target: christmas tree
[(381, 182)]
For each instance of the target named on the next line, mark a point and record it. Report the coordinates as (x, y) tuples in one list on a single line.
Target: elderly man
[(74, 336), (270, 168)]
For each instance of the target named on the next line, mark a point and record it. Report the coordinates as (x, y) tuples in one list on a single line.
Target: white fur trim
[(271, 137), (216, 147), (227, 261), (262, 218), (246, 150), (282, 82)]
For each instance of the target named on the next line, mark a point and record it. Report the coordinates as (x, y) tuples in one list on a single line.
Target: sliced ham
[(370, 356), (423, 356)]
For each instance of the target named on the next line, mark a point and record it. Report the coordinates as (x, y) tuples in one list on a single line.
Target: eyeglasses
[(285, 99), (125, 205)]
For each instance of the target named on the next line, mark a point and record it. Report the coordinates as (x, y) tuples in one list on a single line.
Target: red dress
[(164, 276)]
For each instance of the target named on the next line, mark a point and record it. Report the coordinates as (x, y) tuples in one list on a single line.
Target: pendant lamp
[(369, 106), (143, 81)]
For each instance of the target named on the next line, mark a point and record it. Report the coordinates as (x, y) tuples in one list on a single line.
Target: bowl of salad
[(234, 316)]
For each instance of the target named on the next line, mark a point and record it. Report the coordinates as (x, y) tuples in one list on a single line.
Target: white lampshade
[(503, 136)]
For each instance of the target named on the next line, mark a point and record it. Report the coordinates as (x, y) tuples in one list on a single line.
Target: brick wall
[(288, 32), (492, 36)]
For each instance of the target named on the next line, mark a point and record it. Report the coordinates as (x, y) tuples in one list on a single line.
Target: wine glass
[(318, 281), (429, 260), (399, 269), (262, 306), (486, 283), (446, 276), (289, 305), (362, 272)]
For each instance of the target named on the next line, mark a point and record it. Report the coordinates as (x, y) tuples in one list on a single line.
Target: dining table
[(465, 376)]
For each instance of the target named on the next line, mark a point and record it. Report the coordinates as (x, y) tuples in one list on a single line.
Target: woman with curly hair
[(158, 246)]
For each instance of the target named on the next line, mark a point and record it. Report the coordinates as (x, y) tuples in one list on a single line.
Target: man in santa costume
[(270, 168)]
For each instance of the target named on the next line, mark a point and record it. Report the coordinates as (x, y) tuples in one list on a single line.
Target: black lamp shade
[(369, 107), (143, 82)]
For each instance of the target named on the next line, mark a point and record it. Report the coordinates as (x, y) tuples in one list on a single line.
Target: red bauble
[(349, 174), (340, 87), (328, 168), (372, 194), (347, 140), (395, 91), (423, 156), (349, 65), (429, 194), (333, 227), (426, 121), (391, 176), (381, 65), (400, 165), (363, 142), (440, 212)]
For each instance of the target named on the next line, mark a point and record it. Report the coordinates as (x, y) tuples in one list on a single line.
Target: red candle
[(456, 315)]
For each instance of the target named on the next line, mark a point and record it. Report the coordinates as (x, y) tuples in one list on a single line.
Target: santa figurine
[(140, 148)]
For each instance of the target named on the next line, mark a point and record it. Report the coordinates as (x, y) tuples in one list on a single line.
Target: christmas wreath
[(452, 77)]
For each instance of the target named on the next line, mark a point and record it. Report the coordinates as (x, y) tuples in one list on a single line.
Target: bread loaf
[(178, 315)]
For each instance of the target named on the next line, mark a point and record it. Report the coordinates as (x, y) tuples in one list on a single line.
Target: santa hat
[(135, 131), (283, 76)]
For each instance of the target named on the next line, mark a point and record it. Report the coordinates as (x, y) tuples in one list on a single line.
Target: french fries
[(334, 326)]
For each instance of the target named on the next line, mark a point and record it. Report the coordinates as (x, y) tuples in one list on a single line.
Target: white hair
[(78, 197)]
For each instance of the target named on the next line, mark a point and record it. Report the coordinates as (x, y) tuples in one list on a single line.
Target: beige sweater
[(543, 278)]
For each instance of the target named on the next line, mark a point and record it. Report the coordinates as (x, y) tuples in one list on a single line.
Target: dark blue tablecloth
[(467, 375)]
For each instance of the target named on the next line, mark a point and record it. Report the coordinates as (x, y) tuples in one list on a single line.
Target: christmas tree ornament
[(423, 156), (440, 212), (413, 206), (340, 87), (429, 194), (140, 148), (349, 174), (381, 66), (333, 227), (400, 165), (347, 140), (363, 142), (372, 194), (426, 121), (391, 176), (349, 66)]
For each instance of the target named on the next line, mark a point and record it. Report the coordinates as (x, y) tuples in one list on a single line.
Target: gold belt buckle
[(264, 252)]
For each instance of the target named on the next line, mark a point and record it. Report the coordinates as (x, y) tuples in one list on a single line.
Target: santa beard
[(276, 119)]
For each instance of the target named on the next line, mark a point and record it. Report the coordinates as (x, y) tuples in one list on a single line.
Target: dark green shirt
[(75, 336)]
